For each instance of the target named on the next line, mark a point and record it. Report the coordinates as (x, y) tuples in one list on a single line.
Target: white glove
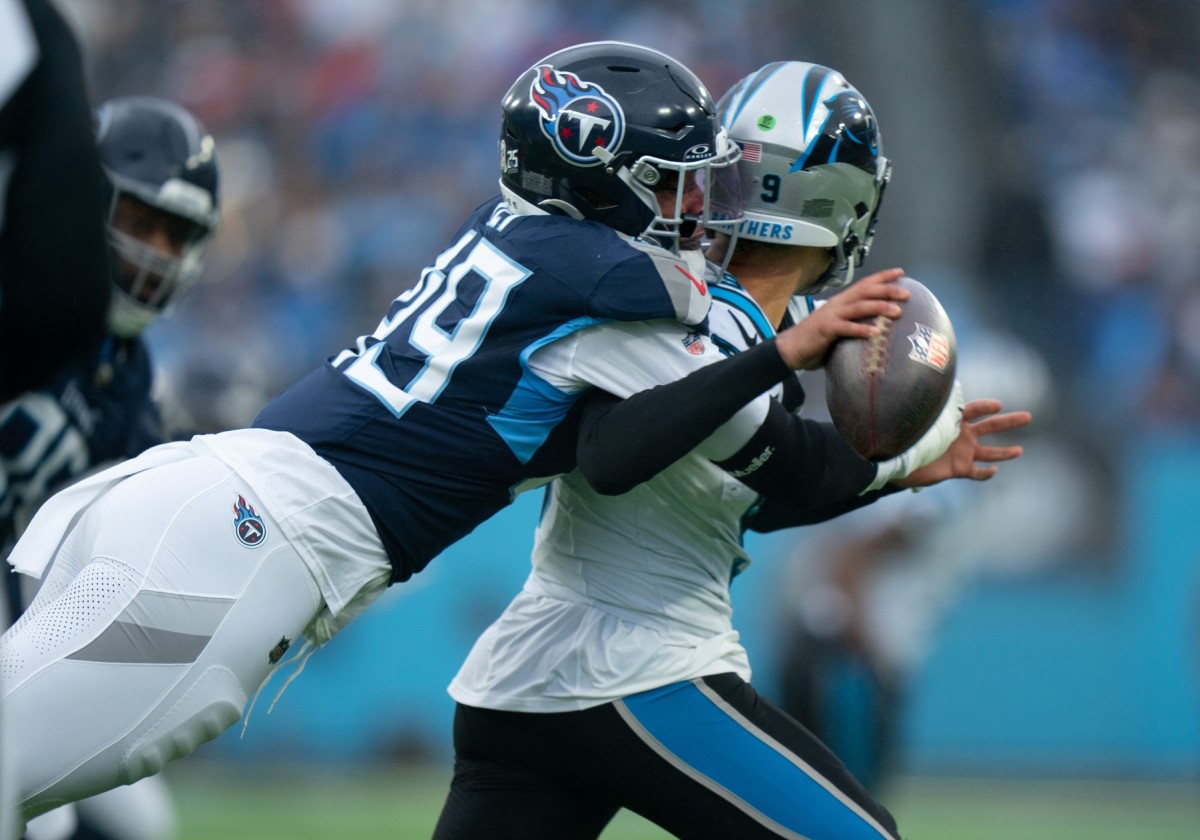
[(932, 445)]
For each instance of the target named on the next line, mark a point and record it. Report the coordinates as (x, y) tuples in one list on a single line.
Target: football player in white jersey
[(615, 678), (173, 584)]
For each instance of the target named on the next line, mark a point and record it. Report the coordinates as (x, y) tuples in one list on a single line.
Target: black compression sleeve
[(772, 516), (800, 463), (625, 442)]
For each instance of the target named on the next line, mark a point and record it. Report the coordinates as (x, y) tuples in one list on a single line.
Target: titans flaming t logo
[(577, 116), (248, 525)]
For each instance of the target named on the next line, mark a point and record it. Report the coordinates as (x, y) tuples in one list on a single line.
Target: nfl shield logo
[(694, 342), (929, 347)]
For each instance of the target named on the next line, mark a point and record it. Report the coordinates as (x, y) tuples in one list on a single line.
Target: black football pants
[(704, 759)]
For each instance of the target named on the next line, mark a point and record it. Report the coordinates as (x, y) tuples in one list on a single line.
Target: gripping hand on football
[(963, 458), (848, 314)]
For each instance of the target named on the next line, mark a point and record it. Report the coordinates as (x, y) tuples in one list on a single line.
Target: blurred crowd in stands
[(355, 135)]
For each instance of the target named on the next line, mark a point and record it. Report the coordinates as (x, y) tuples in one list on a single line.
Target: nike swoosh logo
[(750, 340), (696, 281)]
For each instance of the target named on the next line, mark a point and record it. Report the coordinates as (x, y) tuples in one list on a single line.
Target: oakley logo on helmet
[(701, 151), (576, 116)]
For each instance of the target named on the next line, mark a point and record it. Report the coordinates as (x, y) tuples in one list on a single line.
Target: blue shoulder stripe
[(745, 304)]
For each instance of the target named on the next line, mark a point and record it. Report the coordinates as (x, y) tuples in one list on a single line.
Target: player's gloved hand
[(932, 445)]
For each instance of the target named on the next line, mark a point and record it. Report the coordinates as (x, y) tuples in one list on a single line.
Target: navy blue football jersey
[(99, 410), (435, 418)]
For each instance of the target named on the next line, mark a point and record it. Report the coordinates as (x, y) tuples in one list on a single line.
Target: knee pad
[(210, 705)]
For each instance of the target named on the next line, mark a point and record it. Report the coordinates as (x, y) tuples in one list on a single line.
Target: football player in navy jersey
[(173, 584), (163, 211), (615, 678), (162, 166)]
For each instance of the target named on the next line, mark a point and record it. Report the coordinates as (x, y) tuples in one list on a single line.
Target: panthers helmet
[(812, 169), (595, 130), (157, 153)]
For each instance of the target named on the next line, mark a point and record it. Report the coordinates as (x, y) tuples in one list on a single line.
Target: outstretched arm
[(962, 460), (626, 442)]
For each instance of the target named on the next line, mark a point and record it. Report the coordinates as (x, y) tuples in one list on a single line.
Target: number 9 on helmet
[(812, 170)]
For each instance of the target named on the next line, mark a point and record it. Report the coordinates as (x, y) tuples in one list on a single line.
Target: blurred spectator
[(864, 597)]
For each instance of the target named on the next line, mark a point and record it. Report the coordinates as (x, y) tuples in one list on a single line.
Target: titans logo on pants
[(577, 116), (248, 525)]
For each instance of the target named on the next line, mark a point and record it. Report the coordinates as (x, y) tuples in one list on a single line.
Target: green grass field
[(218, 802)]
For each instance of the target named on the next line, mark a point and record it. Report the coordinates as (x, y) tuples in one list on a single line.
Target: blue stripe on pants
[(698, 732)]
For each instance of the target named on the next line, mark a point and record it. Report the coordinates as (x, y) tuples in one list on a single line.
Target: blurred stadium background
[(1047, 188)]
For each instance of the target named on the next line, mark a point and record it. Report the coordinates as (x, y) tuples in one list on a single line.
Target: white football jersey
[(628, 592)]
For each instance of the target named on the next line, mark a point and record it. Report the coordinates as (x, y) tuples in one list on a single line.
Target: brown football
[(884, 393)]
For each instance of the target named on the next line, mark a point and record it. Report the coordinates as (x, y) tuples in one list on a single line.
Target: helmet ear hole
[(861, 209)]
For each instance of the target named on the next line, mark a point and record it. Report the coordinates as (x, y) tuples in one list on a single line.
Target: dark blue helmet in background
[(162, 165)]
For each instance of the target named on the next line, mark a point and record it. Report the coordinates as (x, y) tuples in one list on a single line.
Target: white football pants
[(151, 631)]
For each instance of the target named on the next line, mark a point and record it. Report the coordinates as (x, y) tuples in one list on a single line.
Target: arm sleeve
[(773, 516), (800, 463), (53, 253), (624, 442)]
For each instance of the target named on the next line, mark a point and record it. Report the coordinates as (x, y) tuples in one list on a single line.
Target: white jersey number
[(428, 301)]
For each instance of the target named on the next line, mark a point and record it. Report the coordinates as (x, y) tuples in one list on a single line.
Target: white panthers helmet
[(812, 169)]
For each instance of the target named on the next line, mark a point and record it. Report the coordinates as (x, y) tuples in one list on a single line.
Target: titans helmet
[(595, 130), (159, 159), (812, 170)]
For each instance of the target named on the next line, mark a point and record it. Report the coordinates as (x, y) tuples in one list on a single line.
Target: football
[(884, 393)]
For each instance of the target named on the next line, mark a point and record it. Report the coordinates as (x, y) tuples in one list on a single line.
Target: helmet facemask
[(158, 254), (653, 179), (162, 166)]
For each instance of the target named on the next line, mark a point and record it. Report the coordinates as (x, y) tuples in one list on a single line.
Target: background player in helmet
[(162, 167), (615, 678), (361, 473)]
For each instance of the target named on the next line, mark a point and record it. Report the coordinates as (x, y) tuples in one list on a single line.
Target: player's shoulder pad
[(685, 284)]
